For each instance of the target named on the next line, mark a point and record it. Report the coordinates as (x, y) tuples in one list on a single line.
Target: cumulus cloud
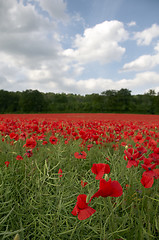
[(145, 37), (99, 43), (32, 55), (144, 62), (30, 50), (55, 8)]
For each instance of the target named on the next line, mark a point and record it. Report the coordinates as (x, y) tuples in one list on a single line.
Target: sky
[(79, 46)]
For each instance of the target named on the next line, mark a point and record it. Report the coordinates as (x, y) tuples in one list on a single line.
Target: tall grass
[(36, 203)]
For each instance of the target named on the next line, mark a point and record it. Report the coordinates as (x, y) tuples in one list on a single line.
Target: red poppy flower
[(108, 189), (19, 157), (60, 172), (83, 184), (149, 169), (138, 138), (89, 146), (53, 140), (14, 136), (100, 169), (131, 155), (44, 142), (82, 209), (81, 155), (147, 181), (7, 163), (29, 153), (30, 143)]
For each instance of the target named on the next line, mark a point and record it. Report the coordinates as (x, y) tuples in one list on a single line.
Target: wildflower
[(19, 157), (89, 146), (83, 184), (29, 153), (53, 140), (100, 169), (60, 172), (149, 169), (14, 136), (81, 155), (108, 189), (131, 155), (147, 181), (30, 143), (44, 142), (7, 163), (82, 209)]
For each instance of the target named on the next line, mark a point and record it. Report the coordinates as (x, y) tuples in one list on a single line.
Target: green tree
[(32, 101)]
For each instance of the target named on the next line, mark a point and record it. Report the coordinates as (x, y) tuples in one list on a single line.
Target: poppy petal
[(147, 181), (86, 213)]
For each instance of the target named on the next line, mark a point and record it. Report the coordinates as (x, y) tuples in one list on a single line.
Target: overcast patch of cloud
[(145, 37), (99, 43), (55, 8)]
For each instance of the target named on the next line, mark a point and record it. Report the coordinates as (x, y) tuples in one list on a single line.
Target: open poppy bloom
[(81, 155), (149, 169), (53, 140), (82, 209), (108, 189), (147, 181), (100, 169), (131, 155), (30, 143)]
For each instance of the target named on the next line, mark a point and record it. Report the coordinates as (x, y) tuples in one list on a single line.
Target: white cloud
[(55, 8), (144, 62), (32, 56), (30, 49), (145, 37), (131, 24), (99, 43)]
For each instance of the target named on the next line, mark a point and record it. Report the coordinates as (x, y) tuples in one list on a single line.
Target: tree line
[(109, 101)]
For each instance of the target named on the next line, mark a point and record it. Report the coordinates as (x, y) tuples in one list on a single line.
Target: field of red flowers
[(79, 176)]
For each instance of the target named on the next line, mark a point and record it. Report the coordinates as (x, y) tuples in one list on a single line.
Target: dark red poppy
[(53, 140), (82, 209), (108, 189), (100, 169), (81, 155)]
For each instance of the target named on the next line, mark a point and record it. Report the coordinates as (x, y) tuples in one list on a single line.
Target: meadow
[(79, 176)]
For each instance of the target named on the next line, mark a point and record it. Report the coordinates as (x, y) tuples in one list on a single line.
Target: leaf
[(17, 237)]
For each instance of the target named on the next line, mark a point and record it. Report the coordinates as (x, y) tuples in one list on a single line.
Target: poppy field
[(79, 176)]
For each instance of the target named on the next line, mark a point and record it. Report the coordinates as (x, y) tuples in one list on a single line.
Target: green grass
[(37, 204)]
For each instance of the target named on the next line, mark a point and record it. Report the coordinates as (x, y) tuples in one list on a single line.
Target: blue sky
[(80, 47)]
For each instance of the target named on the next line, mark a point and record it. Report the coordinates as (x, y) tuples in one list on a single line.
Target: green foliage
[(109, 101), (36, 204)]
